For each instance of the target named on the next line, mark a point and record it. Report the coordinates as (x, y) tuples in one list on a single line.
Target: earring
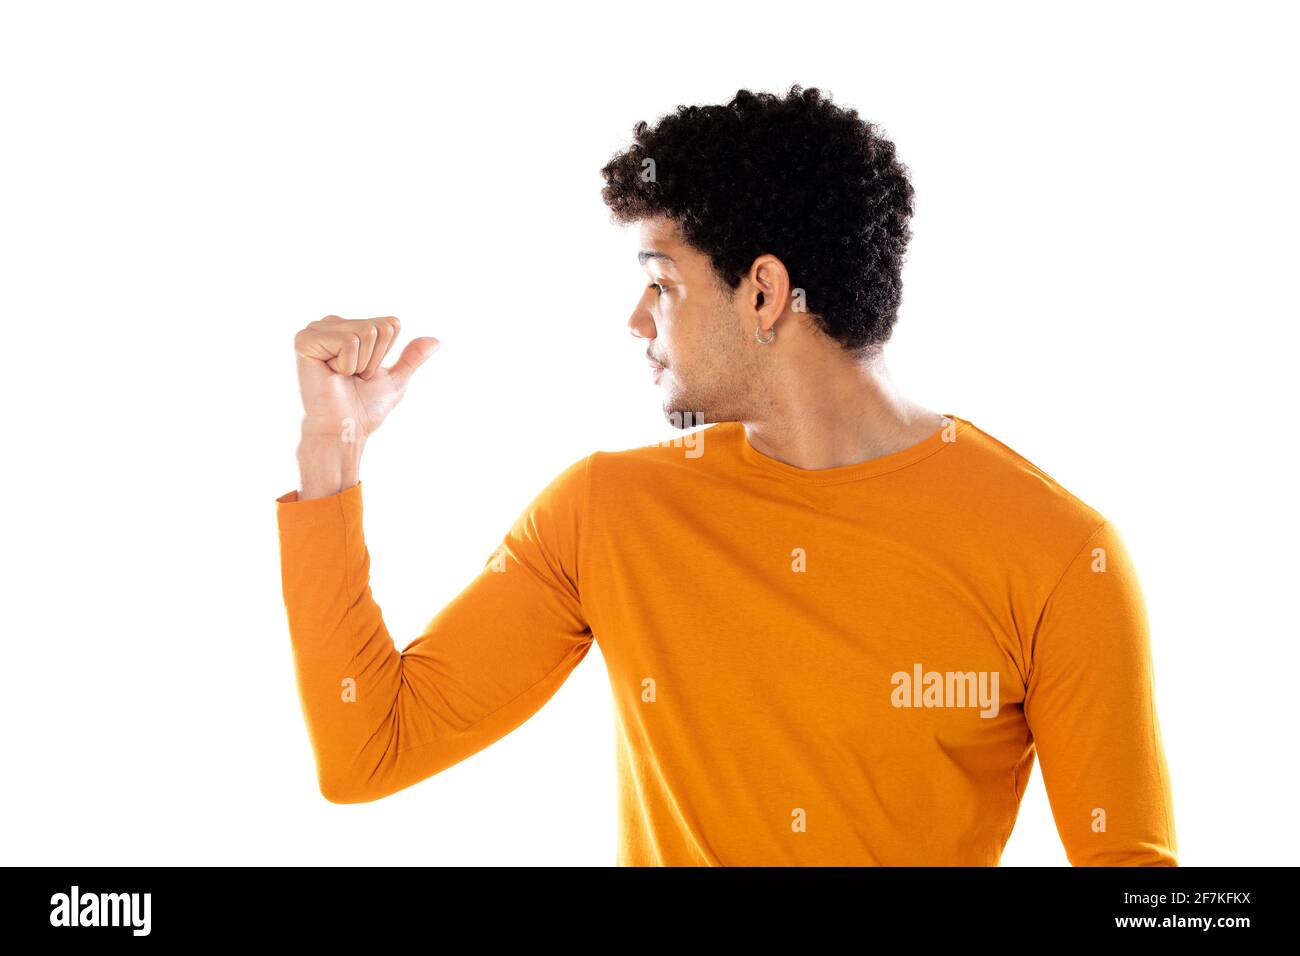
[(758, 336)]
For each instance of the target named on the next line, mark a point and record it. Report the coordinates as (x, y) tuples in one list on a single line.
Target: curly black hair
[(795, 176)]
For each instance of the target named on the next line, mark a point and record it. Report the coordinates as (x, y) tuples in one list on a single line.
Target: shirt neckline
[(934, 443)]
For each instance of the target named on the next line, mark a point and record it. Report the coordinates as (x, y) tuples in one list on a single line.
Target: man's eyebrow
[(645, 254)]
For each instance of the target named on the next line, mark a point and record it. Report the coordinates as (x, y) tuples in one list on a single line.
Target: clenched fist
[(346, 392)]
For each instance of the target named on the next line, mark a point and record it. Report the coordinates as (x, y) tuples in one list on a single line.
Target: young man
[(839, 626)]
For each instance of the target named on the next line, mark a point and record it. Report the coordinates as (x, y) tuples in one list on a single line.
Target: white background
[(1102, 277)]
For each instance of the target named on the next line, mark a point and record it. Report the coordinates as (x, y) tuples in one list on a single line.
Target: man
[(839, 626)]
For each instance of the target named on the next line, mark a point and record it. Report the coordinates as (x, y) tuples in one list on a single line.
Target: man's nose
[(641, 324)]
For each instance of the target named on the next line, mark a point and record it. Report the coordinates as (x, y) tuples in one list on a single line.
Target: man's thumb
[(413, 356)]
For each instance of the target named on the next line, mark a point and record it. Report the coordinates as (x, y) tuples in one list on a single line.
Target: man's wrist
[(344, 429), (328, 464)]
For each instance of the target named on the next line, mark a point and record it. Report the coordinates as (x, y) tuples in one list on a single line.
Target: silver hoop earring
[(758, 335)]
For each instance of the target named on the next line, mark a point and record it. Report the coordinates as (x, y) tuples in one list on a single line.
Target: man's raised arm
[(380, 720)]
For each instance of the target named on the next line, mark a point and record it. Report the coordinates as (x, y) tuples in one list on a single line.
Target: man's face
[(694, 329)]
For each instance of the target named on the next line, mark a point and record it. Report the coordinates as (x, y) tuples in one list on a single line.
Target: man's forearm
[(327, 463)]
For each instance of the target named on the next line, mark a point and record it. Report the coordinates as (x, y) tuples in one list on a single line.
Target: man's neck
[(838, 413)]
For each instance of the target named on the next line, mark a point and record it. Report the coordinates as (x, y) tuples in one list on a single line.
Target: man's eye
[(659, 290)]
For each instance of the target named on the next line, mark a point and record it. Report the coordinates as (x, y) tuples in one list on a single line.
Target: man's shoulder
[(686, 448), (1017, 494), (615, 471)]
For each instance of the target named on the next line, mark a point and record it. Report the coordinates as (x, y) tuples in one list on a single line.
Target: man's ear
[(770, 289)]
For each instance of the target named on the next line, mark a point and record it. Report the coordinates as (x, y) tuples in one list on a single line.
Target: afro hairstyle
[(795, 176)]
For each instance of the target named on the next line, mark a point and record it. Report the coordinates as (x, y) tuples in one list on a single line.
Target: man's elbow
[(335, 792), (1142, 854), (348, 791), (339, 790)]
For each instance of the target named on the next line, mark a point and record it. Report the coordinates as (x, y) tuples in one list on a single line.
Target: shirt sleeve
[(1090, 706), (379, 720)]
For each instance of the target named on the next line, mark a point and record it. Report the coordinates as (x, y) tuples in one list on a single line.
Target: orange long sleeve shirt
[(845, 666)]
